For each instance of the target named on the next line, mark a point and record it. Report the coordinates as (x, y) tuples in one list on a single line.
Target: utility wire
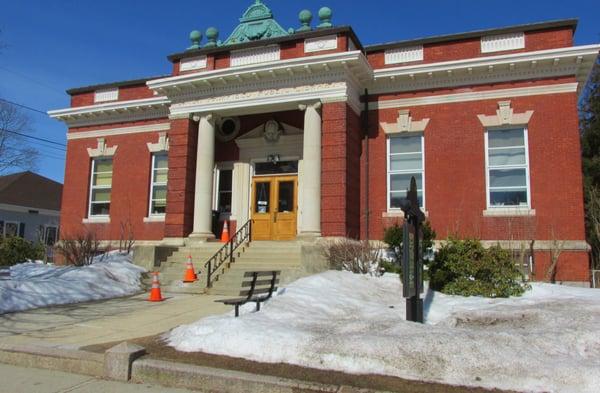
[(33, 137), (24, 106), (32, 80)]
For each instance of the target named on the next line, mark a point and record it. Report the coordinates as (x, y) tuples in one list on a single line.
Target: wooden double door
[(274, 207)]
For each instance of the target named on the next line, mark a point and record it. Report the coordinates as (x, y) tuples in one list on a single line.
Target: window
[(51, 235), (158, 187), (11, 229), (405, 160), (224, 191), (507, 168), (101, 183)]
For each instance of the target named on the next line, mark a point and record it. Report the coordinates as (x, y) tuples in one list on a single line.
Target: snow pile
[(33, 285), (547, 340)]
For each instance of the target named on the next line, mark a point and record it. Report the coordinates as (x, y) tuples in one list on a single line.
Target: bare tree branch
[(15, 153)]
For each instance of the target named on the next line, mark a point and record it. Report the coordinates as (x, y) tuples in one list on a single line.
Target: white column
[(205, 163), (240, 194), (311, 171)]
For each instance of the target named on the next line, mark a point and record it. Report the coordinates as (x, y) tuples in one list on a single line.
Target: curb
[(158, 372), (68, 360)]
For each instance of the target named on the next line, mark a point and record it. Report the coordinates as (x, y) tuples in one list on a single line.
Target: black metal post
[(208, 273)]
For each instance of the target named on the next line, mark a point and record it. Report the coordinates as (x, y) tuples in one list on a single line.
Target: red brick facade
[(454, 156)]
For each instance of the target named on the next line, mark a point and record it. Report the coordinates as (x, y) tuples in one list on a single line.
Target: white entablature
[(280, 85)]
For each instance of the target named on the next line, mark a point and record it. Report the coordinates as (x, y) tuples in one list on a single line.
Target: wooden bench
[(256, 287)]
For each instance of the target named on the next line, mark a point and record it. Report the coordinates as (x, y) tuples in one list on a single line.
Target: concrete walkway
[(27, 380), (78, 325)]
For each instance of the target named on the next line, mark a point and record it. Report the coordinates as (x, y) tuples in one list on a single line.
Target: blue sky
[(54, 45)]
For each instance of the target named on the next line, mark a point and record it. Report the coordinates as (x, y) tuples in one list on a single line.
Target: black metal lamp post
[(412, 258)]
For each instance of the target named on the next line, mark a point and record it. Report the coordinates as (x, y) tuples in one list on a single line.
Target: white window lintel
[(161, 145), (404, 123), (505, 116), (102, 150)]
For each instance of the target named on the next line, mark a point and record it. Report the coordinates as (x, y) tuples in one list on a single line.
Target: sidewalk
[(83, 324), (27, 380)]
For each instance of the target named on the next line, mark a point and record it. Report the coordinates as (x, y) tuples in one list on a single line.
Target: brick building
[(307, 133)]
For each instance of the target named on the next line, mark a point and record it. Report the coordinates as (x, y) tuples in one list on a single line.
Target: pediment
[(258, 132)]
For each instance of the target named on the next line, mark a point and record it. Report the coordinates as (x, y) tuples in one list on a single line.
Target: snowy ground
[(547, 340), (32, 285)]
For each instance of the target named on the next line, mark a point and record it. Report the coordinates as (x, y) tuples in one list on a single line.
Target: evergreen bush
[(466, 268), (15, 250)]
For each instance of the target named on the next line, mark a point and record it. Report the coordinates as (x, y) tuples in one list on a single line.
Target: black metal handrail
[(225, 253)]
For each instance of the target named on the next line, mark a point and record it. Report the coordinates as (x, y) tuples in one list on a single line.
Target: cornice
[(354, 62), (119, 131), (474, 96), (575, 61), (113, 112)]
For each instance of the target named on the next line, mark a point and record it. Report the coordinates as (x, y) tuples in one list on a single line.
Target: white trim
[(155, 218), (502, 42), (505, 116), (119, 131), (507, 209), (161, 146), (193, 63), (219, 167), (154, 184), (576, 61), (96, 220), (102, 150), (25, 209), (317, 61), (403, 55), (98, 217), (444, 66), (281, 99), (260, 54), (475, 96), (111, 106), (319, 44), (388, 170), (404, 124), (111, 94)]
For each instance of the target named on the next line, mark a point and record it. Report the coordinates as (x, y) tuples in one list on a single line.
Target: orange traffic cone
[(190, 275), (225, 233), (155, 294)]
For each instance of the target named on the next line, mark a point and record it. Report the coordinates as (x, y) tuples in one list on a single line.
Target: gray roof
[(29, 189), (553, 24)]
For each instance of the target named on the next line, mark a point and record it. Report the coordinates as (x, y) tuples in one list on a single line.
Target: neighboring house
[(30, 207), (268, 125)]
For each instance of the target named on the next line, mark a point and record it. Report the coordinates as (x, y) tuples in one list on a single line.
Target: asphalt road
[(31, 380)]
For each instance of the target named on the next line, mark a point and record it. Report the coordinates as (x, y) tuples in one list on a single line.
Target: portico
[(271, 143)]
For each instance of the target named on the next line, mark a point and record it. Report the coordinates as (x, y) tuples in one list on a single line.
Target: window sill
[(96, 220), (508, 212), (399, 214), (155, 219)]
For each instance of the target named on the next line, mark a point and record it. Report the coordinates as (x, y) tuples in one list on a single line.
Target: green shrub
[(15, 250), (390, 267), (465, 267)]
